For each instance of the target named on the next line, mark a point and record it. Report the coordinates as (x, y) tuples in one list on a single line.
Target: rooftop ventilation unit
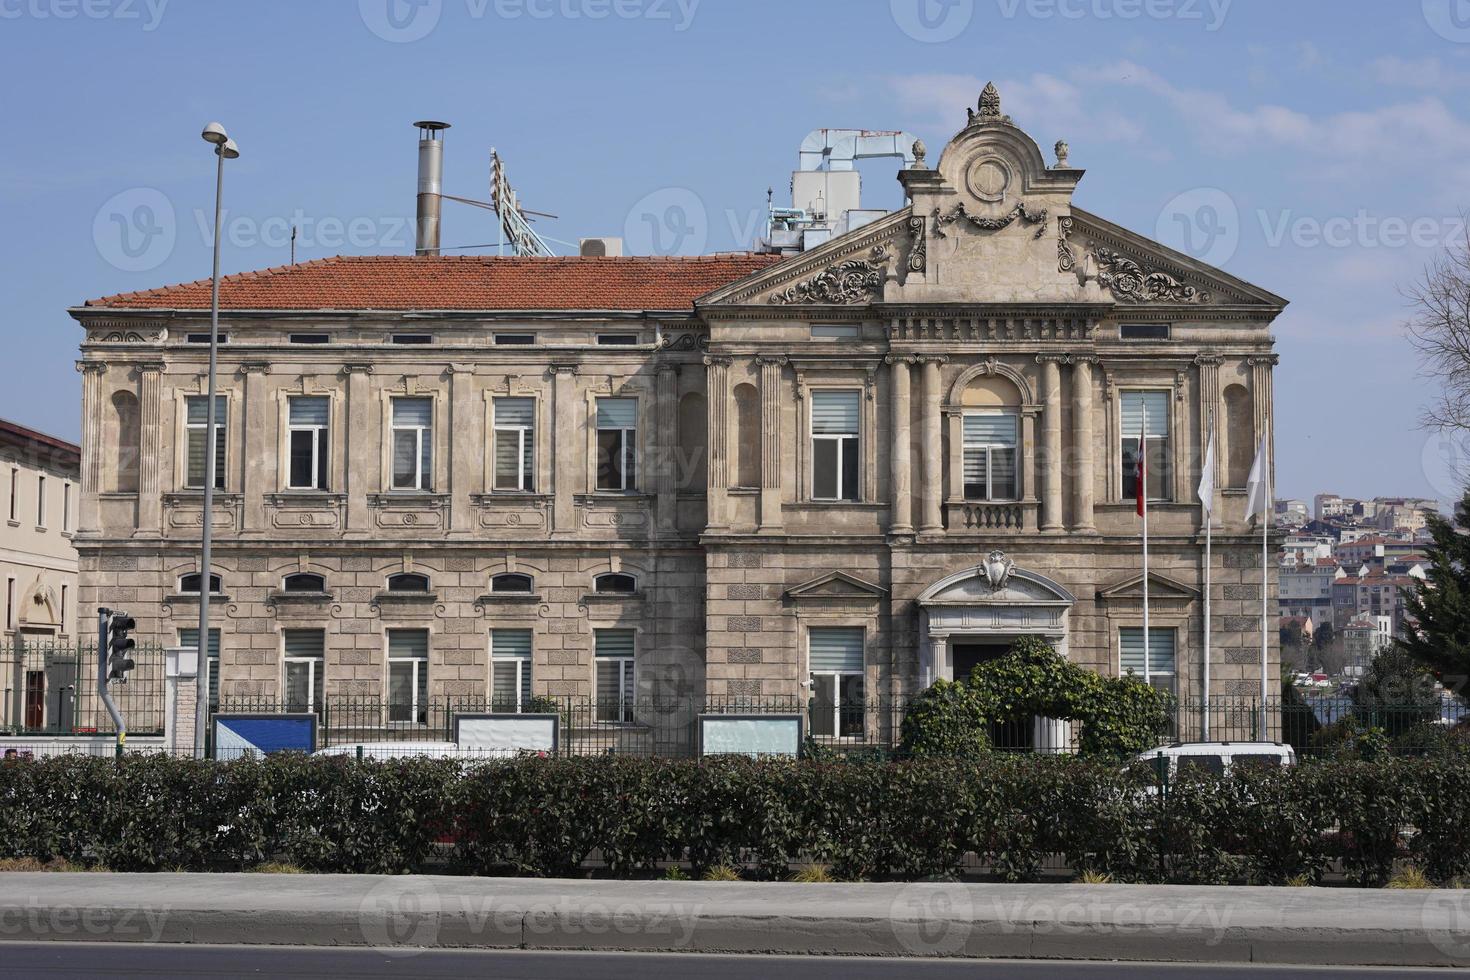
[(600, 246)]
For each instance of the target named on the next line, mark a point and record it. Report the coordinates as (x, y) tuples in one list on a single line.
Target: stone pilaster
[(1261, 368), (467, 447), (770, 499), (931, 515), (150, 448), (1210, 415), (257, 445), (358, 448), (89, 516), (568, 454), (1050, 457), (1082, 439), (900, 454), (718, 440), (668, 446)]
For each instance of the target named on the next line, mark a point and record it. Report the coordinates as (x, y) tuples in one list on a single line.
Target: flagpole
[(1143, 507), (1265, 568), (1209, 525)]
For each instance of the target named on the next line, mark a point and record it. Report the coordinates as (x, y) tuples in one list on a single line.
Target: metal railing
[(51, 689)]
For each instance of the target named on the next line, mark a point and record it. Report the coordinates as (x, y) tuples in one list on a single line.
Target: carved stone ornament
[(847, 282), (918, 246), (1066, 260), (998, 569), (989, 106), (1028, 215), (687, 341), (1062, 151), (1129, 281)]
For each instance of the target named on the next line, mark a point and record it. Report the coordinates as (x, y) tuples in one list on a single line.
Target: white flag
[(1258, 488), (1207, 479)]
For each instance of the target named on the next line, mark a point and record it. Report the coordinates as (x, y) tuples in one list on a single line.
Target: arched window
[(747, 436), (510, 583), (408, 582), (304, 582), (125, 439), (189, 584), (615, 583), (1239, 436), (991, 435), (693, 442)]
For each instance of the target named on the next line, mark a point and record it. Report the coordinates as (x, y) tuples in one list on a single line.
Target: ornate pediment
[(1159, 588), (996, 580), (836, 586)]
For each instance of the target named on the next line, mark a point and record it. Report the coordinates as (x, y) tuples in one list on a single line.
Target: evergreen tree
[(1438, 632)]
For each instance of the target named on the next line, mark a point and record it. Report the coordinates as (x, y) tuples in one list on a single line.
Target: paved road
[(148, 960)]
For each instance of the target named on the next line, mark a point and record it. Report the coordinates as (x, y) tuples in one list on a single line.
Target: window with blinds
[(617, 443), (836, 444), (510, 669), (514, 424), (990, 456), (408, 675), (1161, 667), (195, 422), (835, 658), (309, 417), (614, 655), (413, 443), (836, 649), (1151, 409), (190, 638), (305, 656)]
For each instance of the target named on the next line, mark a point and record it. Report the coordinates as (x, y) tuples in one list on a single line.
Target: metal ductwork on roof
[(431, 186), (836, 149)]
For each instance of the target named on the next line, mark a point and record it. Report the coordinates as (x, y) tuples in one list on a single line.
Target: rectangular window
[(190, 638), (514, 340), (1158, 457), (413, 443), (614, 655), (510, 669), (203, 338), (617, 339), (10, 603), (514, 449), (196, 419), (305, 657), (14, 490), (1160, 654), (835, 657), (309, 418), (40, 501), (835, 444), (61, 614), (412, 338), (66, 506), (408, 676), (1143, 331), (990, 456), (836, 331), (617, 444), (309, 338)]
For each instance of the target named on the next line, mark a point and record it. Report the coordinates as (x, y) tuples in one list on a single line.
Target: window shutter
[(408, 412), (614, 643), (515, 411), (617, 413), (304, 643), (836, 649), (835, 412), (1161, 650), (408, 643), (199, 409), (990, 430), (1158, 413), (310, 411), (510, 644)]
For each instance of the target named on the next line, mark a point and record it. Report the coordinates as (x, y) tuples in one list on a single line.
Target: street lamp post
[(224, 149)]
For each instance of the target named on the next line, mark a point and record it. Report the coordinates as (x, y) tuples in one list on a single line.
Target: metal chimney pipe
[(431, 181)]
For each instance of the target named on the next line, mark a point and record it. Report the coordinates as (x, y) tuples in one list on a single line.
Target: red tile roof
[(468, 282)]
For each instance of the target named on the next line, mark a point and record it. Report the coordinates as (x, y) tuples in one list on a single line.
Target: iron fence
[(51, 689)]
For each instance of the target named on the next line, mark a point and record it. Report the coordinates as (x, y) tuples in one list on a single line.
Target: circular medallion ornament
[(988, 179)]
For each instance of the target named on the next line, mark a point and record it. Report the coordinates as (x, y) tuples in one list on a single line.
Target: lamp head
[(215, 133), (228, 150)]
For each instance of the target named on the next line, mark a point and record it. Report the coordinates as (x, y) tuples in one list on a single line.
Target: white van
[(380, 751), (1219, 757)]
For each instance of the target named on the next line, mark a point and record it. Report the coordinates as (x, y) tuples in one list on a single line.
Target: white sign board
[(507, 734), (750, 735)]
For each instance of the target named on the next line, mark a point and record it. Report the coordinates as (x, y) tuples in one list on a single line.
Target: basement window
[(1143, 331), (412, 338), (617, 339), (203, 338), (515, 340), (310, 338)]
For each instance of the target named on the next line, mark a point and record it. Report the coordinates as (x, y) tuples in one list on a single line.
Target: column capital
[(350, 369), (1268, 359), (716, 360), (932, 358), (899, 359), (1208, 360), (667, 369), (772, 360), (91, 367), (1052, 358), (1083, 359), (255, 367), (562, 369)]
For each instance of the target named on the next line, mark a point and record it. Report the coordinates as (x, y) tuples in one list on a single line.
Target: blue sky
[(1319, 149)]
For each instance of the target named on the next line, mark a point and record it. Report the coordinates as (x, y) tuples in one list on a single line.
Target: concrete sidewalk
[(1330, 926)]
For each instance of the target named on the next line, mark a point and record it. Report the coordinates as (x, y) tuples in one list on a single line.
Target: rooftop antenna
[(293, 244), (517, 228)]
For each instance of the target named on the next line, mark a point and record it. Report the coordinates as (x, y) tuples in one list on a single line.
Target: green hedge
[(909, 819)]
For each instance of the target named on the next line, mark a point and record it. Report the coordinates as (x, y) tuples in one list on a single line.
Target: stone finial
[(989, 105), (919, 151), (1062, 151)]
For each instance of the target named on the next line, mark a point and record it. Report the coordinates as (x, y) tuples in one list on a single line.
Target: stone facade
[(990, 294)]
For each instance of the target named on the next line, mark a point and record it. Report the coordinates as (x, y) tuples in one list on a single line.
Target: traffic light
[(119, 645)]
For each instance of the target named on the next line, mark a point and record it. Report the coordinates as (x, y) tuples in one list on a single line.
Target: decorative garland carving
[(1129, 281), (1028, 215), (918, 245), (1066, 259), (848, 282), (687, 341)]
